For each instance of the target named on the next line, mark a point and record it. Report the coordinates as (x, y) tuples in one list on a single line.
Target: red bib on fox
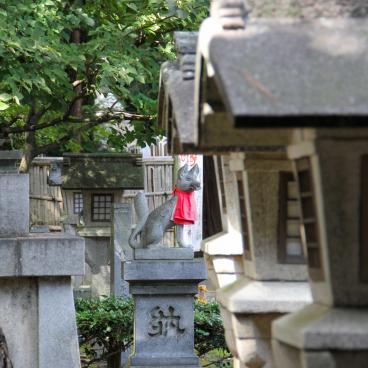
[(185, 212)]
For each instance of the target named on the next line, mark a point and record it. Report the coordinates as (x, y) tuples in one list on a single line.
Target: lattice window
[(290, 248), (364, 221), (101, 207), (77, 203), (243, 215), (310, 234)]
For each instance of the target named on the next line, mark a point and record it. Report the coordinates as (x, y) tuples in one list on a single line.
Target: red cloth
[(186, 210)]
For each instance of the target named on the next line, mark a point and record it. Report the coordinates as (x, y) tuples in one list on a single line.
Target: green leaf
[(3, 106), (5, 97)]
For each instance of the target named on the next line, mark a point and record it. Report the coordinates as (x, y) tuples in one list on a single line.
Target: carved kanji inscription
[(165, 322)]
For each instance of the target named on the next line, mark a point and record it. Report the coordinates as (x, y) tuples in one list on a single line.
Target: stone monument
[(332, 170), (36, 298), (163, 282)]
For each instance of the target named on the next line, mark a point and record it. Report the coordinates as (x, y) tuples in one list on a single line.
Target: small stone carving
[(165, 324), (179, 211)]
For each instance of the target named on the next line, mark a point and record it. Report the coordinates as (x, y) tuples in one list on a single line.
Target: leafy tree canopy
[(57, 56)]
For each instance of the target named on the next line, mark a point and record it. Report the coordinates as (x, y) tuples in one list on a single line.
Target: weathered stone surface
[(14, 204), (103, 170), (165, 270), (19, 320), (164, 253), (247, 296), (261, 178), (308, 9), (42, 255), (319, 336), (163, 293), (120, 251), (325, 53), (57, 330), (97, 265), (9, 161), (178, 93), (318, 327), (338, 189), (169, 345)]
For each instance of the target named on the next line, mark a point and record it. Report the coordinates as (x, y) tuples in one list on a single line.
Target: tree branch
[(88, 124)]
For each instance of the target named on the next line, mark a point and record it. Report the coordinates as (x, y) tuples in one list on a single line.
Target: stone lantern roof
[(176, 98), (284, 73), (102, 171)]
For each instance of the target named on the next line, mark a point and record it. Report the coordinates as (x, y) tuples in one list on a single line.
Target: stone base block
[(42, 255), (249, 307), (164, 311), (14, 197), (153, 362), (164, 253), (287, 356), (319, 336), (38, 319)]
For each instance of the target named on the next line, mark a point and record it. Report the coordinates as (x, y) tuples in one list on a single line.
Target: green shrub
[(208, 328), (107, 325)]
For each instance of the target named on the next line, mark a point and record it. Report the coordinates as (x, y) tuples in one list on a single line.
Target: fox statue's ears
[(195, 170), (185, 170)]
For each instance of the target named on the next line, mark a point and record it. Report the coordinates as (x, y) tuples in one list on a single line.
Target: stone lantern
[(330, 164), (36, 298)]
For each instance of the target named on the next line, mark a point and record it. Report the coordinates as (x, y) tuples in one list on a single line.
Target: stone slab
[(286, 356), (182, 270), (318, 327), (57, 333), (119, 249), (18, 319), (9, 160), (284, 91), (14, 204), (163, 289), (164, 253), (158, 343), (42, 255), (224, 243), (249, 296)]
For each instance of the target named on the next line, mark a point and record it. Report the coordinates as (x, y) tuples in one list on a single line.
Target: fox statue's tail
[(142, 212)]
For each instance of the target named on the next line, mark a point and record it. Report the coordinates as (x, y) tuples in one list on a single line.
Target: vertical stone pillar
[(36, 299), (120, 250), (274, 267), (223, 252), (332, 171), (163, 283)]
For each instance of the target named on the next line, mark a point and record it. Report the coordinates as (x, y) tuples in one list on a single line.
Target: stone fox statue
[(179, 210)]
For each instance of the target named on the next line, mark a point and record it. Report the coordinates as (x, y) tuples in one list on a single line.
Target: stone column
[(163, 283), (120, 250), (223, 252), (332, 171), (274, 267), (36, 298)]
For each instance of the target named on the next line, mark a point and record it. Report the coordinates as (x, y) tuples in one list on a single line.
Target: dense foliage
[(58, 56), (106, 326), (209, 330)]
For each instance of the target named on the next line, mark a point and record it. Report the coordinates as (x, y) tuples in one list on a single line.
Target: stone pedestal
[(163, 291), (332, 171), (274, 267), (36, 299)]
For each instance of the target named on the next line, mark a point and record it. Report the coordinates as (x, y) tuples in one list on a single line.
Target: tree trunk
[(113, 361), (30, 146)]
